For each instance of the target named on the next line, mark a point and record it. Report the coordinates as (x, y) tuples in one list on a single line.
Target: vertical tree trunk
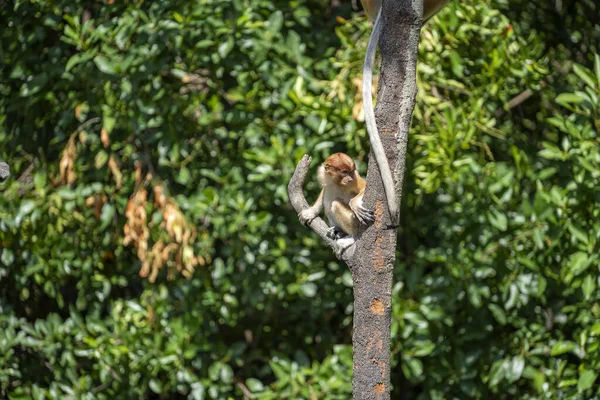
[(373, 264), (371, 258)]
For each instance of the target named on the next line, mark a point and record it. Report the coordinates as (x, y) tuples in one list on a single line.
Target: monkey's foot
[(342, 245), (335, 233)]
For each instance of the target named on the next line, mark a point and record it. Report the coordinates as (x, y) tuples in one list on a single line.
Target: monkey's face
[(342, 177), (341, 169), (347, 178)]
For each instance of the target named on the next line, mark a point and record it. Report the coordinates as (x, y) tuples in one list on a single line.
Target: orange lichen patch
[(379, 210), (379, 388), (378, 254), (375, 341), (377, 307), (381, 366)]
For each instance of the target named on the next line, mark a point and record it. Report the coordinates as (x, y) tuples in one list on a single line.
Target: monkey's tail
[(376, 145)]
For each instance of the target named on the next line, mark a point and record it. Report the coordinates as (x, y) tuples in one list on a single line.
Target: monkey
[(373, 10), (342, 196)]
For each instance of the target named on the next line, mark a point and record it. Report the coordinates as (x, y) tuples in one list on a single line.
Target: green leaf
[(184, 175), (577, 233), (197, 392), (412, 367), (562, 348), (588, 286), (474, 295), (309, 289), (498, 313), (7, 257), (498, 220), (100, 159), (597, 68), (105, 65), (254, 385), (586, 380), (107, 214), (512, 297), (281, 374), (155, 386), (595, 330), (34, 85), (568, 98), (315, 276), (585, 75), (579, 262), (456, 62), (79, 58), (226, 47), (422, 349), (514, 369), (275, 21), (226, 374)]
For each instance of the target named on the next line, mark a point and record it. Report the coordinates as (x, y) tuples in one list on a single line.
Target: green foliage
[(500, 286), (157, 139)]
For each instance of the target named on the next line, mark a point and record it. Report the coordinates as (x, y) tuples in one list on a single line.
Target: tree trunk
[(373, 265), (371, 259)]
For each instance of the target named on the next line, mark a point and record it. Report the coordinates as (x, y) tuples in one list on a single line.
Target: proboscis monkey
[(342, 197)]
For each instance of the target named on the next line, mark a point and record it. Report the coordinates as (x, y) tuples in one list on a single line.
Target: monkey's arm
[(364, 215), (313, 211)]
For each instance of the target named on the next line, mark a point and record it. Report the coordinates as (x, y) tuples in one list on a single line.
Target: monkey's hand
[(364, 215), (307, 215)]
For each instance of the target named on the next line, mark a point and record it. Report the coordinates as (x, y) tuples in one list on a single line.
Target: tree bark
[(373, 265), (371, 259)]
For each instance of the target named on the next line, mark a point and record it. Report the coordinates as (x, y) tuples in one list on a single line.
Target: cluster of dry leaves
[(173, 249), (172, 243)]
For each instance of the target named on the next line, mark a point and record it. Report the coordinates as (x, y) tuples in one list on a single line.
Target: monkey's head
[(340, 168)]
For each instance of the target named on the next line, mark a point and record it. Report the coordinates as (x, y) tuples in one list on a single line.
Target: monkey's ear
[(327, 166)]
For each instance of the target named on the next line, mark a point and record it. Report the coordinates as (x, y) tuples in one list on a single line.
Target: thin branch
[(87, 123), (247, 394)]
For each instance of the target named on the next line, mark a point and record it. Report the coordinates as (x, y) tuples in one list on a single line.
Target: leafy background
[(147, 248)]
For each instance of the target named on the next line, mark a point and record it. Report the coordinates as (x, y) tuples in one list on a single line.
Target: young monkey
[(342, 196)]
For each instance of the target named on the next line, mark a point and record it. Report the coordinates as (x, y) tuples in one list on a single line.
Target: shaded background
[(148, 250)]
